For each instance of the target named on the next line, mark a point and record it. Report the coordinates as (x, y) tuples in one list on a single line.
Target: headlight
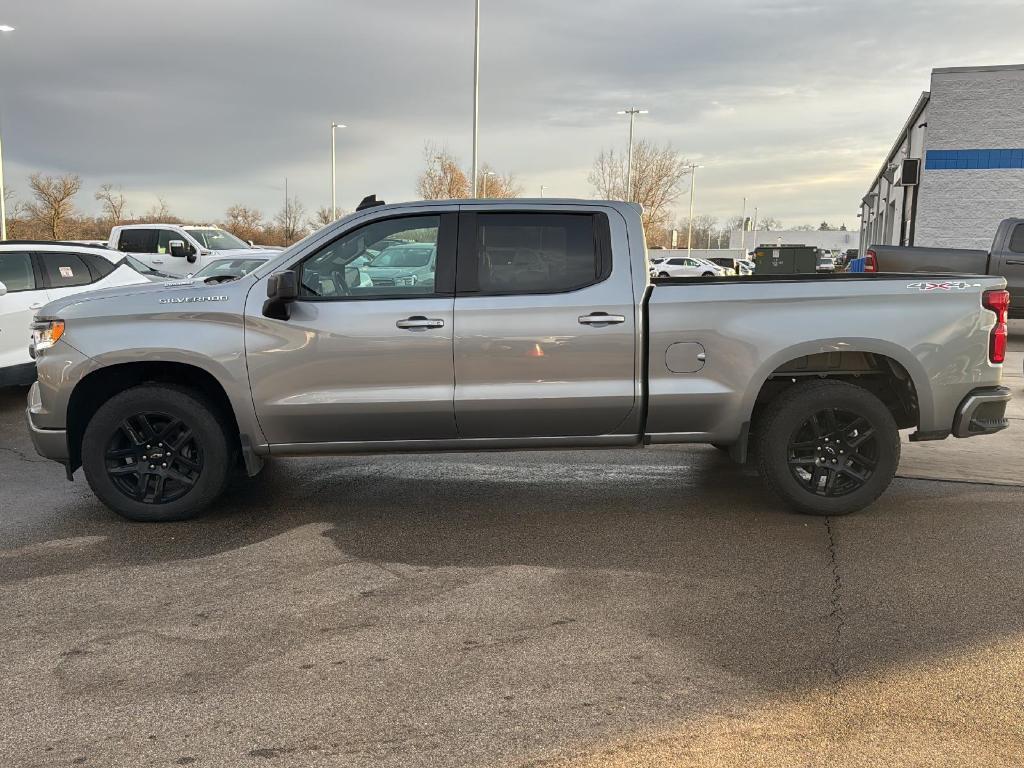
[(46, 333), (407, 280)]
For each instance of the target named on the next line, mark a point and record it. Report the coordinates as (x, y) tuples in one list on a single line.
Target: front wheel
[(663, 274), (708, 274), (156, 453), (828, 447)]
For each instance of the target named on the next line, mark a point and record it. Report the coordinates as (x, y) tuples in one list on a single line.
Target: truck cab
[(178, 249)]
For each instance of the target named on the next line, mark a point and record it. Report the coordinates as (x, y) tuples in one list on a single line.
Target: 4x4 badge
[(947, 285)]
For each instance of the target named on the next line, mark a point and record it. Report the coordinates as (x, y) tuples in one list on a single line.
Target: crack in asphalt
[(22, 456), (836, 614)]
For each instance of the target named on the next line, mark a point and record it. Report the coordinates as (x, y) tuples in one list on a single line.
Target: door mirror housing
[(178, 249), (282, 290), (3, 289)]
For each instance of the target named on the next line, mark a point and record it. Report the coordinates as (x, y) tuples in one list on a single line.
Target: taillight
[(870, 261), (998, 302)]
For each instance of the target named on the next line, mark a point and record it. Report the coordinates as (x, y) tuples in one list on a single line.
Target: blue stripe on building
[(970, 159)]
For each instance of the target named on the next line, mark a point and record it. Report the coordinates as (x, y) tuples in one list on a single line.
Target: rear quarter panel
[(749, 329)]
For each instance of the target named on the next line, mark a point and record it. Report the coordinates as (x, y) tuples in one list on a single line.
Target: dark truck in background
[(1006, 259)]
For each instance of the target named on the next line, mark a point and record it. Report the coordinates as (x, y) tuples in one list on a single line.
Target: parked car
[(728, 263), (826, 264), (747, 266), (1005, 259), (156, 390), (180, 250), (33, 273), (408, 264), (684, 266)]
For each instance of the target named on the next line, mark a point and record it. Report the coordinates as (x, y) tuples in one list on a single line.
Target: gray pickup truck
[(539, 327), (1005, 259)]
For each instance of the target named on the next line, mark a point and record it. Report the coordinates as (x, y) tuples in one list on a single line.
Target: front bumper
[(49, 443), (982, 412)]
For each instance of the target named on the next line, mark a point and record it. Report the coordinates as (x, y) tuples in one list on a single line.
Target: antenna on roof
[(370, 201)]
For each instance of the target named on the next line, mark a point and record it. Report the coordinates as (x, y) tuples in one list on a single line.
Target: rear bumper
[(49, 443), (982, 412)]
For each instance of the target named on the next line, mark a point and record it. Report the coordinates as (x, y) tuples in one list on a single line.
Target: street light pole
[(484, 179), (476, 92), (3, 190), (754, 227), (334, 173), (689, 225), (542, 188), (632, 112), (743, 228)]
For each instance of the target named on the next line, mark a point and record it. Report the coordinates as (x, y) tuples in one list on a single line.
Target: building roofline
[(922, 102), (989, 68)]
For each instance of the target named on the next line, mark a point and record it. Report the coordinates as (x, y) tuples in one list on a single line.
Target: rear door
[(545, 327), (141, 243)]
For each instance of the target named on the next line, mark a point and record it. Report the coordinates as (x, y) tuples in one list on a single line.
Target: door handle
[(601, 318), (36, 306), (420, 323), (1015, 263)]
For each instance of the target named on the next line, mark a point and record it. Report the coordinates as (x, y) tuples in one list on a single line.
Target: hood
[(177, 292)]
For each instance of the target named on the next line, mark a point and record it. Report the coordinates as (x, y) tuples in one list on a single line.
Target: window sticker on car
[(67, 272)]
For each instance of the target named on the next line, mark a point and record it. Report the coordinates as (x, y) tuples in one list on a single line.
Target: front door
[(545, 325), (360, 358)]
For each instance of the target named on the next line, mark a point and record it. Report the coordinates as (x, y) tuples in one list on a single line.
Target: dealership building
[(956, 168)]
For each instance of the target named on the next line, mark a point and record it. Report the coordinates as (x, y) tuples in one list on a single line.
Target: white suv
[(684, 266), (35, 273)]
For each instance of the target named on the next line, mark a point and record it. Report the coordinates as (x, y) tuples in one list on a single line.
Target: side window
[(390, 258), (540, 252), (99, 266), (64, 270), (165, 236), (1017, 239), (137, 241), (16, 272), (677, 262)]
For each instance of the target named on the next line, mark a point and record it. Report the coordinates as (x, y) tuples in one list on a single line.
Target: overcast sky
[(792, 103)]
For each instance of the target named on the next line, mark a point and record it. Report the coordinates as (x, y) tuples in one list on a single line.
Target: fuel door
[(685, 357)]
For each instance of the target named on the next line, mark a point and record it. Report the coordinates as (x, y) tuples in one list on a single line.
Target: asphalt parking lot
[(543, 609)]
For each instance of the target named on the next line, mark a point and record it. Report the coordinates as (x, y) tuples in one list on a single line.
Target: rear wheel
[(828, 447), (708, 274), (663, 274), (156, 453)]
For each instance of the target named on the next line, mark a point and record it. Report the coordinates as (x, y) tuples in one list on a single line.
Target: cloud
[(216, 102)]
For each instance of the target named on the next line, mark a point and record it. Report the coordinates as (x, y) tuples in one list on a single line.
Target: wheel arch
[(103, 383)]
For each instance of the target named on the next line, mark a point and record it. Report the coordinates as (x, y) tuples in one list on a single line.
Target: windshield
[(229, 267), (217, 239), (403, 256)]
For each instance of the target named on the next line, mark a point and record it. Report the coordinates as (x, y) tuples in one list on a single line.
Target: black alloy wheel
[(833, 452), (154, 458)]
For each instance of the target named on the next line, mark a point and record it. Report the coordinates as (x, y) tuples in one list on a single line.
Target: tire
[(708, 274), (822, 464), (663, 274), (184, 475)]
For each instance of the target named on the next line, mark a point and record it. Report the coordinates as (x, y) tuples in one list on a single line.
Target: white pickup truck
[(179, 249)]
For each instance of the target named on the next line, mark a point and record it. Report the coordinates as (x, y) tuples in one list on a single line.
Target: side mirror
[(178, 249), (282, 290), (251, 243), (3, 289)]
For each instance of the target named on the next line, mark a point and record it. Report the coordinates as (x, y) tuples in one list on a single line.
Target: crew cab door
[(545, 327), (358, 361)]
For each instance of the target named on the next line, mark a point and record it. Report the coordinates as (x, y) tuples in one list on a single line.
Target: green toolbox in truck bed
[(785, 259)]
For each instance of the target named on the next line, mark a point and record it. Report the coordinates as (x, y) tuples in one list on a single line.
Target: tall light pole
[(3, 196), (484, 176), (743, 228), (632, 112), (754, 227), (542, 188), (476, 92), (334, 173), (689, 224)]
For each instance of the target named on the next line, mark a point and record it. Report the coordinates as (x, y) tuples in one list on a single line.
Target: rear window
[(137, 240), (538, 252), (64, 270), (16, 272)]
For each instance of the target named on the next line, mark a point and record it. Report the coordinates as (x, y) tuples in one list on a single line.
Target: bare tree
[(290, 220), (244, 223), (113, 202), (769, 222), (495, 185), (321, 218), (160, 213), (658, 173), (53, 208), (442, 179)]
